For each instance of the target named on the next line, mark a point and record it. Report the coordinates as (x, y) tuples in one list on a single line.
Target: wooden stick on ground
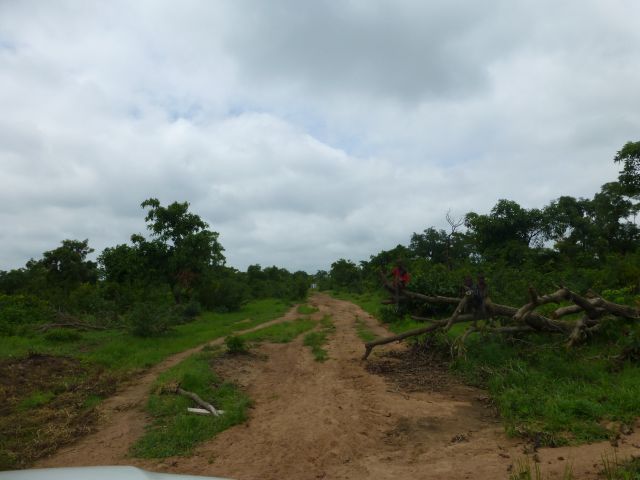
[(199, 401)]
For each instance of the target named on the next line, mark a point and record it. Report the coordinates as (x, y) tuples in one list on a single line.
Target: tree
[(67, 266), (345, 275), (439, 246), (629, 176), (508, 232), (431, 244), (182, 244)]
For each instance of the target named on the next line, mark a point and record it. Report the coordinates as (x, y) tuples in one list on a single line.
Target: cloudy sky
[(304, 131)]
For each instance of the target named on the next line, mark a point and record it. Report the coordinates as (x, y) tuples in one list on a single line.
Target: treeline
[(147, 285), (578, 242)]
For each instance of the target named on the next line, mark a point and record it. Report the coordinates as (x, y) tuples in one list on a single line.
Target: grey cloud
[(402, 50), (303, 133)]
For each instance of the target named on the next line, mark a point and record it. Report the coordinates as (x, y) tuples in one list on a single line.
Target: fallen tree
[(512, 320)]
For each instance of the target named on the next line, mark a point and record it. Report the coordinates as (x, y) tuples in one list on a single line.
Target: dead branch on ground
[(176, 389)]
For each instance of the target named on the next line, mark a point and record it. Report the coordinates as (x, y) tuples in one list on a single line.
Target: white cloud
[(303, 134)]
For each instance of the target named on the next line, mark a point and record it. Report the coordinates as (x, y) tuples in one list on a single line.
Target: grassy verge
[(553, 395), (526, 470), (372, 304), (543, 391), (174, 431), (369, 302), (280, 333), (306, 309), (316, 340), (122, 352), (365, 334), (615, 469)]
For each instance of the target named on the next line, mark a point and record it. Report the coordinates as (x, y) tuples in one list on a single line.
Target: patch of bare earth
[(46, 402), (346, 418)]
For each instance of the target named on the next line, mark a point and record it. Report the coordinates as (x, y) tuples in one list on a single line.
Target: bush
[(147, 319), (88, 298), (235, 344), (19, 310), (188, 312), (62, 335), (223, 294)]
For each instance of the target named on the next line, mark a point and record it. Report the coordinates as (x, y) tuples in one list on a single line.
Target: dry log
[(199, 401), (589, 309), (567, 310), (593, 307), (199, 411), (537, 300), (624, 311), (411, 333), (458, 311), (174, 387)]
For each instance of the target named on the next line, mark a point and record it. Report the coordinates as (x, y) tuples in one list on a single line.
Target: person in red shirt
[(401, 279)]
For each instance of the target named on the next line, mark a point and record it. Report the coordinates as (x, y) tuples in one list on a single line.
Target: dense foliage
[(147, 285), (579, 242)]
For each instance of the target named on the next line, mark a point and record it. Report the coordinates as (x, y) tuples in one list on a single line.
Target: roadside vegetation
[(544, 390), (305, 309), (175, 431), (283, 332), (120, 351), (53, 381), (317, 339), (98, 322), (364, 332)]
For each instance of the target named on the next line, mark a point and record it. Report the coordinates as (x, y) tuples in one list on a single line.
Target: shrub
[(147, 319), (19, 310), (191, 310), (62, 335), (235, 344), (188, 312)]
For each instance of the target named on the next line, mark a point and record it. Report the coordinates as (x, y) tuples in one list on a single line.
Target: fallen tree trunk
[(412, 333), (524, 319)]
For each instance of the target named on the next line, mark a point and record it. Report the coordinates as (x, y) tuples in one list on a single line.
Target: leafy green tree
[(430, 244), (629, 156), (345, 275), (67, 266), (508, 231), (180, 252), (322, 280)]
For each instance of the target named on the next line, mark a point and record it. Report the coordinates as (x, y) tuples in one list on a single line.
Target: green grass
[(557, 396), (372, 304), (369, 302), (525, 470), (543, 391), (36, 399), (281, 332), (615, 469), (174, 431), (306, 309), (120, 351), (365, 334), (316, 340)]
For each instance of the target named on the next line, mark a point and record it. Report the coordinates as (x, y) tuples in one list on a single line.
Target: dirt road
[(336, 420)]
